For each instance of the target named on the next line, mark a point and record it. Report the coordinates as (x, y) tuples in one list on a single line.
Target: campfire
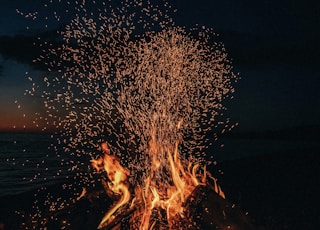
[(149, 94), (159, 105), (158, 196)]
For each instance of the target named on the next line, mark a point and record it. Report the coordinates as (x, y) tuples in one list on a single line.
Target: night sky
[(274, 46)]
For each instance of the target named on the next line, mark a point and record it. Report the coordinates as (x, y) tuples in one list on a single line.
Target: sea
[(27, 162)]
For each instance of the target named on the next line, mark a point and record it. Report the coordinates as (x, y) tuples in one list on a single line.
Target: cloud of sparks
[(123, 73)]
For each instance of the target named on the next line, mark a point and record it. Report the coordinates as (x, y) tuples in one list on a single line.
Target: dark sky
[(275, 48), (274, 45)]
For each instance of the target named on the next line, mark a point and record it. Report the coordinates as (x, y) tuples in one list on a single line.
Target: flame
[(167, 193), (117, 184), (83, 193)]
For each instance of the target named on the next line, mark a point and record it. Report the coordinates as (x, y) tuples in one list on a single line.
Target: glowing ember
[(153, 91)]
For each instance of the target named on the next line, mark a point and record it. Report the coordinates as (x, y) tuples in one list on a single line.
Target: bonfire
[(149, 95)]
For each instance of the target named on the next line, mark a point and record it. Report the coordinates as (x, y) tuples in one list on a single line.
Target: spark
[(126, 74)]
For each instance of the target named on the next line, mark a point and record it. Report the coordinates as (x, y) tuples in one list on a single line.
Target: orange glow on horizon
[(20, 116), (18, 123)]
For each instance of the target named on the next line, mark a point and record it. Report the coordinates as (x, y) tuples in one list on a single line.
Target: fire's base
[(205, 209)]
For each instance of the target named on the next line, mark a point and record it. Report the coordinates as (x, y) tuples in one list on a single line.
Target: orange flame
[(117, 176), (166, 194)]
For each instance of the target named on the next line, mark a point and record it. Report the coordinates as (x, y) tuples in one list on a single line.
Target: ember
[(153, 91)]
